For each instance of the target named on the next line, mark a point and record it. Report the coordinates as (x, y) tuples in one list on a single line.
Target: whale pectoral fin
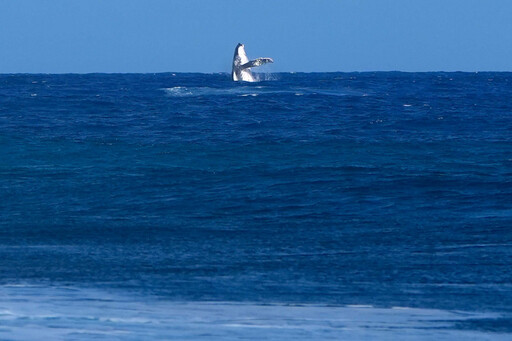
[(256, 62)]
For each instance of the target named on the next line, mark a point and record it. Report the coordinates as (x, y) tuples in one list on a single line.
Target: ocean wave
[(81, 314)]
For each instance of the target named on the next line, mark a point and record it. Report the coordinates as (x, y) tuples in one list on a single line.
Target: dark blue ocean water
[(383, 189)]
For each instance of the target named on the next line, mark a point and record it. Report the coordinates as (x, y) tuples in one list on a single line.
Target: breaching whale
[(241, 65)]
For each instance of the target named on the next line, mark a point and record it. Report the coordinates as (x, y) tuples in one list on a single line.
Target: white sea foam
[(249, 90), (244, 91), (178, 91), (36, 313)]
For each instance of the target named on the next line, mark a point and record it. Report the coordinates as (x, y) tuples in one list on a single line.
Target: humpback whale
[(241, 65)]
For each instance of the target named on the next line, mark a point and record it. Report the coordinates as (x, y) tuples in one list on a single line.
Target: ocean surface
[(304, 206)]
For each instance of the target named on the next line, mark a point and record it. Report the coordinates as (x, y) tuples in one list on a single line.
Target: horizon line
[(228, 73)]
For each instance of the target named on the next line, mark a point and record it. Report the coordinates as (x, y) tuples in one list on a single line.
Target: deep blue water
[(388, 189)]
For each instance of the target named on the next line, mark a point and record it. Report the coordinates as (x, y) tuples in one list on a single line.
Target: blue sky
[(200, 35)]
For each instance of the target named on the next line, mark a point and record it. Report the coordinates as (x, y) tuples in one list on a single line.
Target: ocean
[(303, 206)]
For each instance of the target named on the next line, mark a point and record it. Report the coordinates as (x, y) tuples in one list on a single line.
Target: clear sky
[(55, 36)]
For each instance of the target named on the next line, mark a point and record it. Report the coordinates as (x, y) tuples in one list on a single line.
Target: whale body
[(242, 65)]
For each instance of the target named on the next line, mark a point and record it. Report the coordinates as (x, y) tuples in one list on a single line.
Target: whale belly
[(242, 75), (246, 76)]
